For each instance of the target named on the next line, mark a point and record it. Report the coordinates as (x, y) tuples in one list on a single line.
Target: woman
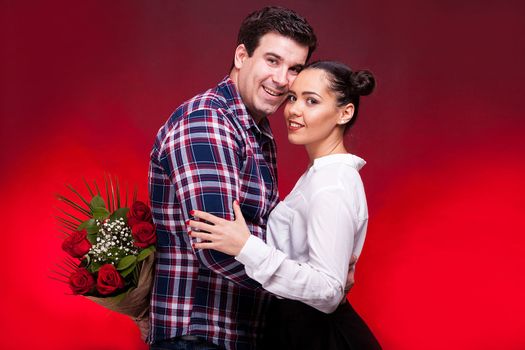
[(314, 232)]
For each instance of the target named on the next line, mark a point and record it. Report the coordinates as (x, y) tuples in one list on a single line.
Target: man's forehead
[(283, 47)]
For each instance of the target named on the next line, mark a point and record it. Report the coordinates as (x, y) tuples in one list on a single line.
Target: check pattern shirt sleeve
[(203, 158), (208, 154)]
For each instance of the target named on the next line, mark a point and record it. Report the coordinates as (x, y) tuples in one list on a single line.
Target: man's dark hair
[(277, 20)]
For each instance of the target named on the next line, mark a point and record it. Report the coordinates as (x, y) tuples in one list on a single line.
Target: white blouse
[(312, 234)]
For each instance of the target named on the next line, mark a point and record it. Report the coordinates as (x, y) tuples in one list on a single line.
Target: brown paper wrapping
[(136, 302)]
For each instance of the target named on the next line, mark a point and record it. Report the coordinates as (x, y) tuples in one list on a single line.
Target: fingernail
[(193, 245), (236, 202), (187, 222), (192, 212)]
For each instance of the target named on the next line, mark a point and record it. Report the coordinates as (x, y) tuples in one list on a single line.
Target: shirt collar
[(230, 92), (347, 158)]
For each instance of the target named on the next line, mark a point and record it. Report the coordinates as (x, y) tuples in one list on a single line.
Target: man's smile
[(272, 92)]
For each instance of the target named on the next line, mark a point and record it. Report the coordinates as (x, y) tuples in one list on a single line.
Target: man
[(214, 149)]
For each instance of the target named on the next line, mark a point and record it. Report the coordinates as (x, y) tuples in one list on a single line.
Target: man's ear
[(346, 114), (240, 55)]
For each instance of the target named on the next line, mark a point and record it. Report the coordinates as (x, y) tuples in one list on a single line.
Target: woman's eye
[(291, 98), (295, 70), (311, 101)]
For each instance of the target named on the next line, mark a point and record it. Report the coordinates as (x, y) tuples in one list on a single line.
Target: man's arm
[(350, 280), (203, 157)]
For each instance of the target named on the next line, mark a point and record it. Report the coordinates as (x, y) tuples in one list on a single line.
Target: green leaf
[(106, 182), (92, 238), (126, 262), (96, 187), (90, 226), (69, 215), (73, 205), (97, 202), (85, 262), (117, 187), (144, 253), (129, 270), (94, 267), (113, 198), (66, 223), (119, 213), (78, 194), (89, 188), (100, 213)]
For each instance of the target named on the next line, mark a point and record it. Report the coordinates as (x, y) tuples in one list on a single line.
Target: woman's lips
[(293, 126)]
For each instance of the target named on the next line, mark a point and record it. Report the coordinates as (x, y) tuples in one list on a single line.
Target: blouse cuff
[(254, 252)]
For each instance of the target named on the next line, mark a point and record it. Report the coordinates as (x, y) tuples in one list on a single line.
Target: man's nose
[(280, 77)]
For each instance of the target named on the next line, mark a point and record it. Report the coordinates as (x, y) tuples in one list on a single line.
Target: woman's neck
[(325, 148)]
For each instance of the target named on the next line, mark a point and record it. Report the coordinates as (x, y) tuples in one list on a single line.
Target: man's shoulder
[(211, 99), (210, 103), (211, 107), (214, 107)]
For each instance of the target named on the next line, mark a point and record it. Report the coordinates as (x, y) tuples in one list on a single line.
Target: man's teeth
[(271, 92)]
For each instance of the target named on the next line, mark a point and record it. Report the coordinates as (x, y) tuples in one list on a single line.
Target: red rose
[(138, 212), (143, 234), (81, 281), (77, 244), (109, 280)]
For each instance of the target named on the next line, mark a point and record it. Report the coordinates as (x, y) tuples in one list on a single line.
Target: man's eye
[(272, 61), (295, 70)]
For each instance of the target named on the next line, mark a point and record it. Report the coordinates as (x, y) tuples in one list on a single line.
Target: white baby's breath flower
[(113, 242)]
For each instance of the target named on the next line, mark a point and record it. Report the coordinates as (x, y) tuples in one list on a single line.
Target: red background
[(86, 85)]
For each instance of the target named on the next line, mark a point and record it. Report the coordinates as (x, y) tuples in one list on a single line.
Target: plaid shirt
[(209, 153)]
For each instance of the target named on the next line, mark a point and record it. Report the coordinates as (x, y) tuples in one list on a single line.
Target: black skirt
[(294, 325)]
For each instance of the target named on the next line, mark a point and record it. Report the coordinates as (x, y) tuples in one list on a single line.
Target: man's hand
[(350, 277)]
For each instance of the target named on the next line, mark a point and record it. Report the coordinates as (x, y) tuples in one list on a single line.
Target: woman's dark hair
[(278, 20), (347, 85)]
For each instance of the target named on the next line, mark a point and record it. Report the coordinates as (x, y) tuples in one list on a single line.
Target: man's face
[(264, 78)]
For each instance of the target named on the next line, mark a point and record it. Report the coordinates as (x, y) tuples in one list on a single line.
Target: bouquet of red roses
[(110, 248)]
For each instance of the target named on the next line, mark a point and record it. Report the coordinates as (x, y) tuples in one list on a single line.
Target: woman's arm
[(320, 282)]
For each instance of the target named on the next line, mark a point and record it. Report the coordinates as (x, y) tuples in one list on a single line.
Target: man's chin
[(271, 108), (271, 111), (265, 111)]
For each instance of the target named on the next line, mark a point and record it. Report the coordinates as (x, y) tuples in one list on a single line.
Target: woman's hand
[(225, 236)]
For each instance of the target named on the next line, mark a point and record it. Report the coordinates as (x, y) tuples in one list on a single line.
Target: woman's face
[(311, 111)]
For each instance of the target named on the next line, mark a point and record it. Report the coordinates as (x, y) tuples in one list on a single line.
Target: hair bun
[(362, 82)]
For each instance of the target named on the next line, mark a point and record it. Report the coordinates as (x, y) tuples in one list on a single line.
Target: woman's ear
[(346, 114), (240, 55)]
